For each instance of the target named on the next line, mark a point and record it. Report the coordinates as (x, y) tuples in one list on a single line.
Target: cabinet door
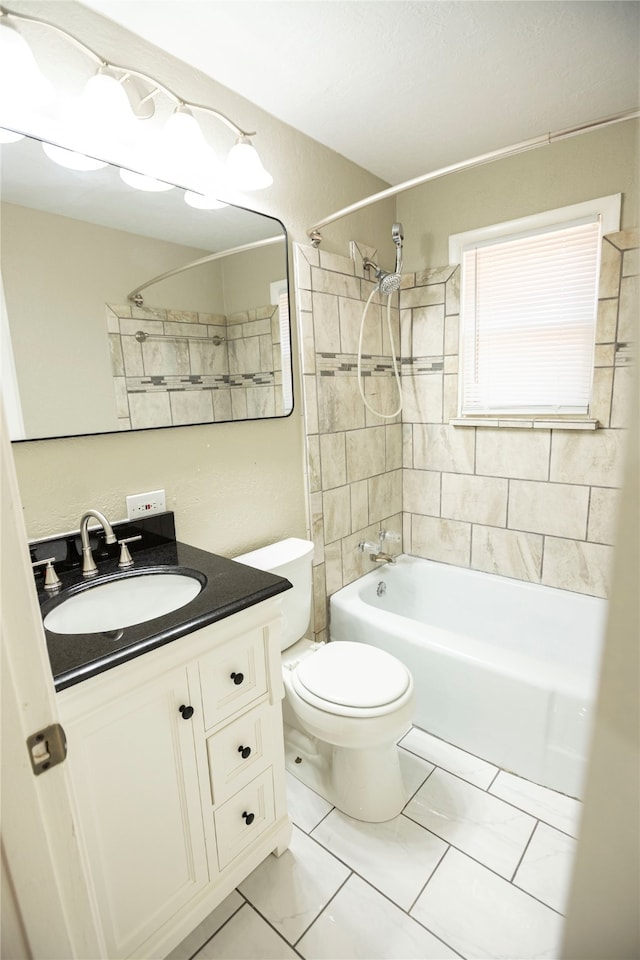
[(137, 788)]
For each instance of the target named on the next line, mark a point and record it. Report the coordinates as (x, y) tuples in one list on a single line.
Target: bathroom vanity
[(175, 748)]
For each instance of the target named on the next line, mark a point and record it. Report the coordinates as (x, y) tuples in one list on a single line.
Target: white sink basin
[(122, 603)]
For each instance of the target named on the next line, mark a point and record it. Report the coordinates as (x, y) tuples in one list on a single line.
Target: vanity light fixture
[(109, 115)]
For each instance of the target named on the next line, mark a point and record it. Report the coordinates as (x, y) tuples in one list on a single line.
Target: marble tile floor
[(477, 865)]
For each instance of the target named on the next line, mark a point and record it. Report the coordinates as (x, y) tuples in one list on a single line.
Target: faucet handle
[(125, 557), (389, 535), (52, 581)]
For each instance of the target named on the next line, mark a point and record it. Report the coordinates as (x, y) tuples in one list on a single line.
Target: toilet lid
[(353, 674)]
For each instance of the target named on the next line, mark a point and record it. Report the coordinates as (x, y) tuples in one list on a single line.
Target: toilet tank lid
[(276, 554)]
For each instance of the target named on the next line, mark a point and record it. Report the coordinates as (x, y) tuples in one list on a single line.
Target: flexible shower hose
[(384, 416)]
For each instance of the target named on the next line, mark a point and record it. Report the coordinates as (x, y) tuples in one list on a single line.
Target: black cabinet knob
[(248, 817), (245, 751), (237, 678), (187, 712)]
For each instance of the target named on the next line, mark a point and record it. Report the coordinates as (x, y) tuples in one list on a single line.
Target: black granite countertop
[(228, 588)]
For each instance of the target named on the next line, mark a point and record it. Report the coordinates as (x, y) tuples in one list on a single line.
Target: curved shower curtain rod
[(314, 232), (135, 294)]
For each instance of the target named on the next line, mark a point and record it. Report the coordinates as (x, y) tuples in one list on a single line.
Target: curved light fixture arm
[(128, 71), (135, 297)]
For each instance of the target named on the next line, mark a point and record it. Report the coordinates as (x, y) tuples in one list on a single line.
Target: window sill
[(540, 423)]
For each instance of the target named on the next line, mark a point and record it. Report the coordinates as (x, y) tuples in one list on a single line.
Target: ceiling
[(402, 87)]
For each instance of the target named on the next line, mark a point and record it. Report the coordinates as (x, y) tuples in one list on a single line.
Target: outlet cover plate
[(144, 504)]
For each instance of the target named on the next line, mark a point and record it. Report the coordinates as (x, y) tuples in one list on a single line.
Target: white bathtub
[(505, 669)]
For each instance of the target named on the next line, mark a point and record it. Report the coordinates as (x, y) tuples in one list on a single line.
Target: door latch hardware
[(46, 748)]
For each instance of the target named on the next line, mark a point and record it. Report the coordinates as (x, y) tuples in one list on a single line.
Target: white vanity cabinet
[(177, 764)]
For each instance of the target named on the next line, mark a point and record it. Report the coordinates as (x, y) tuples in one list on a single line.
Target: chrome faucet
[(89, 568)]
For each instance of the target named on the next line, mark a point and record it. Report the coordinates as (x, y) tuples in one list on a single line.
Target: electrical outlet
[(144, 504)]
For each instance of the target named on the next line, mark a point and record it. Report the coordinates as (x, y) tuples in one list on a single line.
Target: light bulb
[(244, 167), (203, 201), (10, 136), (141, 181), (22, 82), (71, 159), (104, 107)]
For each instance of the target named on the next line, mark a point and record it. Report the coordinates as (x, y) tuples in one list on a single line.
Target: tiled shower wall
[(534, 504), (175, 367)]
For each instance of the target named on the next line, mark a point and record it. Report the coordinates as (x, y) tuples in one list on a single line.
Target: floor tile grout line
[(526, 847), (221, 927), (534, 816), (447, 770), (425, 884), (320, 912)]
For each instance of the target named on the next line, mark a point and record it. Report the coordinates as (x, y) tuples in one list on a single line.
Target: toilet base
[(365, 784)]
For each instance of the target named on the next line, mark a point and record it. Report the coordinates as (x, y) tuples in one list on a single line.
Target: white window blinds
[(528, 314)]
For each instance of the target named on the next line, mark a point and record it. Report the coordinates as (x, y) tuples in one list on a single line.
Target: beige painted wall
[(568, 171), (232, 486)]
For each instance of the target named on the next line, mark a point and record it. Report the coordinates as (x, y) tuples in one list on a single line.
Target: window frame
[(607, 209)]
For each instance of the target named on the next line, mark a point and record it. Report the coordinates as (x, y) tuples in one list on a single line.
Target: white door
[(47, 911)]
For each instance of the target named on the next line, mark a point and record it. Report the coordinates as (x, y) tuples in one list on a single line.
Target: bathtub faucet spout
[(382, 558), (375, 551)]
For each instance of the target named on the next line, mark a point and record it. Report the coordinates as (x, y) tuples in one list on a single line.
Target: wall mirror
[(207, 341)]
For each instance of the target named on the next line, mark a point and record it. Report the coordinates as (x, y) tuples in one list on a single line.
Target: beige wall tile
[(507, 553), (303, 258), (523, 454), (319, 598), (447, 541), (393, 449), (317, 526), (326, 323), (359, 505), (631, 263), (221, 404), (307, 342), (350, 319), (336, 262), (355, 562), (422, 296), (336, 509), (623, 381), (191, 406), (451, 333), (385, 495), (149, 410), (587, 457), (558, 509), (407, 445), (333, 567), (603, 514), (600, 406), (625, 239), (422, 398), (333, 460), (607, 320), (310, 403), (474, 499), (433, 275), (628, 314), (314, 476), (340, 406), (366, 453), (452, 292), (574, 565), (421, 492), (610, 266), (441, 447), (326, 281), (382, 395), (389, 349), (428, 331), (449, 397)]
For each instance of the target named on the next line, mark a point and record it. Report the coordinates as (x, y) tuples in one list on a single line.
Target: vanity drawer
[(239, 751), (232, 676), (244, 817)]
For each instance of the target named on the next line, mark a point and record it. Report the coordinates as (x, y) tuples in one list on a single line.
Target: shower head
[(387, 282)]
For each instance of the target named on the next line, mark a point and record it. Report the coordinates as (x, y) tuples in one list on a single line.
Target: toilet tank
[(292, 559)]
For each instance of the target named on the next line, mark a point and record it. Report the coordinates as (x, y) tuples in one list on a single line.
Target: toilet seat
[(352, 679)]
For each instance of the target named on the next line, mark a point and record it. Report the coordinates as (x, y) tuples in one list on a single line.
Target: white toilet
[(346, 704)]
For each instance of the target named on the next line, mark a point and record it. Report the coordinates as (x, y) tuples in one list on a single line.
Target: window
[(528, 311)]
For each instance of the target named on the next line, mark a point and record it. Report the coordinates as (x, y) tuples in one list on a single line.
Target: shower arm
[(135, 295), (546, 139)]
